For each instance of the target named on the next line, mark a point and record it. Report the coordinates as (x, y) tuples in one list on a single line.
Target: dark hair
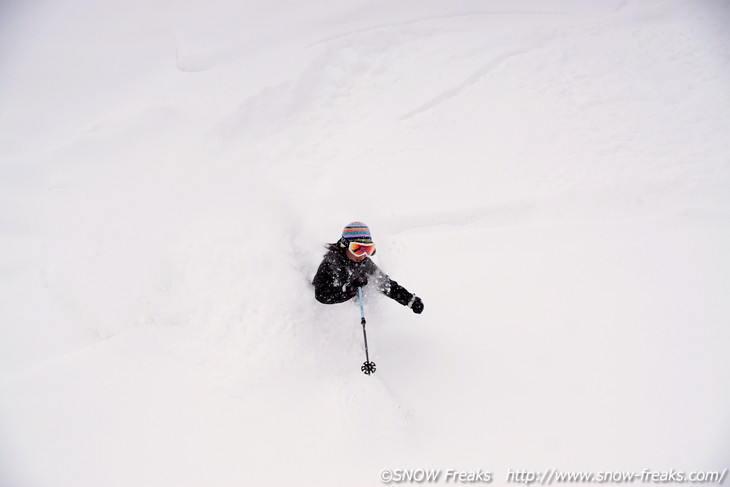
[(340, 245)]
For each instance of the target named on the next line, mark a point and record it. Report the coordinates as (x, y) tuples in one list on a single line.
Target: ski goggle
[(361, 249)]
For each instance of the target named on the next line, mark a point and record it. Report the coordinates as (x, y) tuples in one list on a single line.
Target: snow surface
[(550, 177)]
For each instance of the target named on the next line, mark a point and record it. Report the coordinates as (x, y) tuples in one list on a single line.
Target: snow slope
[(550, 177)]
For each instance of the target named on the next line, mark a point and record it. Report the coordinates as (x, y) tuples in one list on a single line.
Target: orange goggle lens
[(361, 249)]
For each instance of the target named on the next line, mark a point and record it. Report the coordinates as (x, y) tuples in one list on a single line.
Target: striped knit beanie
[(357, 232)]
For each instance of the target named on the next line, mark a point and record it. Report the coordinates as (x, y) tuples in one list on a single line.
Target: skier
[(347, 266)]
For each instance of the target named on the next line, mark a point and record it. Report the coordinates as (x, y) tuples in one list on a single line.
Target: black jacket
[(332, 283)]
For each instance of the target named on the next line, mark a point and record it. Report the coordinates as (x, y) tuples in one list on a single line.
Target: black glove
[(417, 305), (358, 281)]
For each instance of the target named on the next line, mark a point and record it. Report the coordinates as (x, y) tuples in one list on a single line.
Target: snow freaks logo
[(420, 476)]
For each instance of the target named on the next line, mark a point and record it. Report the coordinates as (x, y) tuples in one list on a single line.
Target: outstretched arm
[(395, 291)]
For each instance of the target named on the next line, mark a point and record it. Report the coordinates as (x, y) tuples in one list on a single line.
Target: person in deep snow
[(347, 266)]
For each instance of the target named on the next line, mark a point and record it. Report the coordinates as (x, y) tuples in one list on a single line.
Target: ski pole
[(368, 367)]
